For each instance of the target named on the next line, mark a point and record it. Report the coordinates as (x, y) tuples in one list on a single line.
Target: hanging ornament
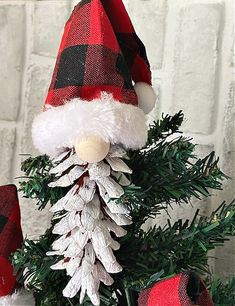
[(92, 114)]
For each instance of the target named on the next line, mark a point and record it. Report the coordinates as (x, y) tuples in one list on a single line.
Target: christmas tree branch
[(169, 173), (223, 293), (176, 247), (164, 127), (37, 179)]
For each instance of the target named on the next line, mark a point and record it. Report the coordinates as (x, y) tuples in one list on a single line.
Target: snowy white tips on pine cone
[(87, 215), (146, 96)]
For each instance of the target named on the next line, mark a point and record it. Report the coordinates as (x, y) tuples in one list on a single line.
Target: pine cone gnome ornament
[(185, 289), (92, 102), (91, 116)]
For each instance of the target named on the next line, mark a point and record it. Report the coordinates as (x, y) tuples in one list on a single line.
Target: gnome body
[(92, 101), (10, 240)]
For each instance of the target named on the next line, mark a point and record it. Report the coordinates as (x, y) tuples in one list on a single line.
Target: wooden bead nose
[(92, 149)]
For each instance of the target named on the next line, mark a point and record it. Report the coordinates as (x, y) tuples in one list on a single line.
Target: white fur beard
[(117, 123)]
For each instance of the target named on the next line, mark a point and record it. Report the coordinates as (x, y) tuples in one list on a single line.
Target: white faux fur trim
[(117, 123), (146, 96), (20, 298)]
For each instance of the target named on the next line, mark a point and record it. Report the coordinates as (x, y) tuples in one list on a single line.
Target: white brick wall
[(190, 46)]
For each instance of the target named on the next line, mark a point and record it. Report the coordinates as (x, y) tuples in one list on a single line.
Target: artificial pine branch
[(223, 293), (175, 247), (164, 127), (169, 173), (37, 177)]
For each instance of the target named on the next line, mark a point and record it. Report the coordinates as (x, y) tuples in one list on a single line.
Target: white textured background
[(190, 45)]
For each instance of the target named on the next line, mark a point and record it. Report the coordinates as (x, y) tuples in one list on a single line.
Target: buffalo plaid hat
[(92, 91), (185, 289), (10, 236)]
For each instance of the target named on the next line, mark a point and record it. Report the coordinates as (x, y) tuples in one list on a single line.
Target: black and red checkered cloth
[(92, 91), (100, 51), (10, 236), (185, 289)]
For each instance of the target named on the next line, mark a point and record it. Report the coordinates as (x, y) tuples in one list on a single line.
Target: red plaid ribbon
[(100, 51), (10, 236), (185, 289)]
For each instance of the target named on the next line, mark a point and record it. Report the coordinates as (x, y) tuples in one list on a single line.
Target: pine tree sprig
[(176, 247), (164, 127), (223, 292), (37, 177), (169, 173)]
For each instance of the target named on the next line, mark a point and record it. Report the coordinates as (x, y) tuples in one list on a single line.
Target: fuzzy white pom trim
[(20, 298), (146, 96), (115, 122)]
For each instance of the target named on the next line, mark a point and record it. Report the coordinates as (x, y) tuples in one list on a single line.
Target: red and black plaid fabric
[(99, 52), (10, 236), (132, 47), (185, 289)]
